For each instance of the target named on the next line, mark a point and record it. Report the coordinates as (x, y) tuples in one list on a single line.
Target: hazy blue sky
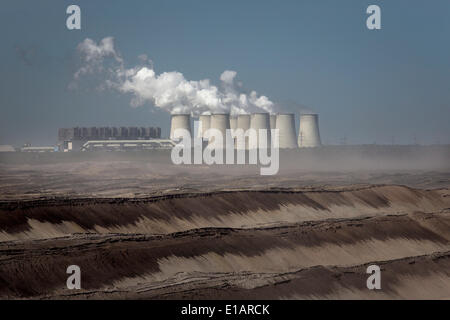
[(366, 85)]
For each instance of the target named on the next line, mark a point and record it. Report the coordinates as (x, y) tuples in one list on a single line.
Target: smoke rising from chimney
[(169, 91)]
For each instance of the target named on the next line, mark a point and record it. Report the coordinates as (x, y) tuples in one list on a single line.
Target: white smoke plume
[(94, 54), (170, 91)]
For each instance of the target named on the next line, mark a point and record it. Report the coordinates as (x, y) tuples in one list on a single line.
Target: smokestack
[(273, 121), (259, 121), (285, 123), (221, 122), (309, 135), (179, 121), (205, 123)]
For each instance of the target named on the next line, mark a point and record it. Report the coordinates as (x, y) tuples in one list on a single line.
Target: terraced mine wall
[(279, 244)]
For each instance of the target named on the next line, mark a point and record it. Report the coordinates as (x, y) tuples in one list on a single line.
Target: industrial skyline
[(368, 86), (226, 155)]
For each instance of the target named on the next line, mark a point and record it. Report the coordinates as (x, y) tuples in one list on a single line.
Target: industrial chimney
[(243, 122), (204, 124), (309, 135), (221, 122), (285, 123), (179, 121), (259, 121)]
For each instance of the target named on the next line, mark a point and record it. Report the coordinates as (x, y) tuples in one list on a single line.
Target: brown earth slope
[(284, 243)]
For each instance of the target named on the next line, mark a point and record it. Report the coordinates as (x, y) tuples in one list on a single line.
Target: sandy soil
[(142, 230), (130, 179), (282, 244)]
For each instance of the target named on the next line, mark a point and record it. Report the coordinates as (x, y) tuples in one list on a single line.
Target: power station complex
[(148, 138), (308, 135)]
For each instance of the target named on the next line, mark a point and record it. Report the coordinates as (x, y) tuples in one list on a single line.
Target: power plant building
[(141, 138), (74, 138), (124, 145)]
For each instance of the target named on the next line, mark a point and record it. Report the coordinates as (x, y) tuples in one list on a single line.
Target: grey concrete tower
[(221, 122), (179, 121), (243, 122), (309, 135), (259, 121), (285, 123), (233, 122), (273, 121), (204, 124)]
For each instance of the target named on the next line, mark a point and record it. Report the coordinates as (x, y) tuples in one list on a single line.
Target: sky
[(368, 86)]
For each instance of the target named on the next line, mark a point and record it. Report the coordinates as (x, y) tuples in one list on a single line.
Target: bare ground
[(278, 244), (142, 230)]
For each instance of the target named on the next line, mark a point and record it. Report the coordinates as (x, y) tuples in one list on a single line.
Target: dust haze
[(136, 225)]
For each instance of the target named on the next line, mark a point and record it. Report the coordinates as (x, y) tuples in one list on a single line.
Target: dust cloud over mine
[(209, 150), (136, 225)]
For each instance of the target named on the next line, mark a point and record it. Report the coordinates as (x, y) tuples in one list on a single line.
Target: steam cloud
[(94, 55), (170, 91)]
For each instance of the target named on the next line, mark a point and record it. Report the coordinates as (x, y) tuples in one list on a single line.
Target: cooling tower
[(259, 121), (285, 123), (273, 121), (179, 121), (221, 122), (243, 122), (205, 123), (309, 135), (233, 122)]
